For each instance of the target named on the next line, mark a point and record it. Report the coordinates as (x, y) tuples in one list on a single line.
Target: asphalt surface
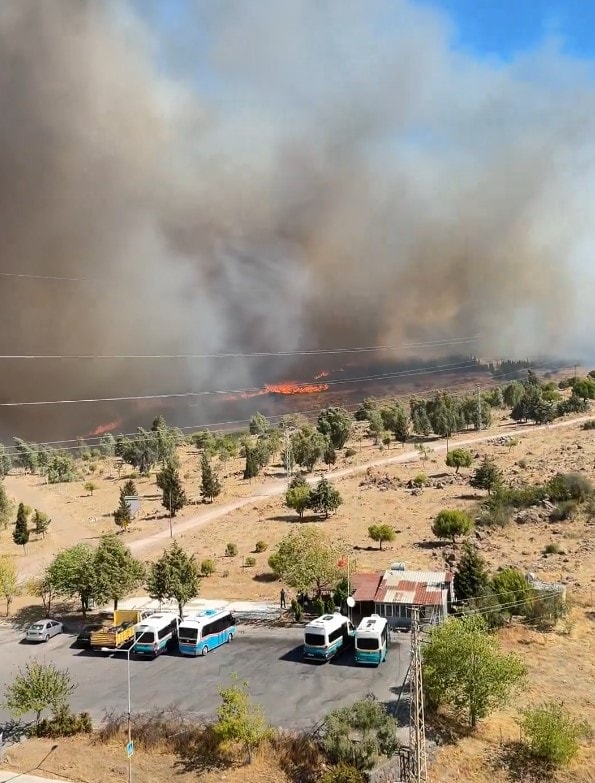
[(293, 694)]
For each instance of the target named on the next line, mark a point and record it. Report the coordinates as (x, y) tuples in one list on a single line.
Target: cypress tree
[(471, 577), (252, 466), (20, 534), (174, 497), (122, 515), (210, 486)]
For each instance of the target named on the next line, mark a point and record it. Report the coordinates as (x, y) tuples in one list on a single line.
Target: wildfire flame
[(103, 428), (284, 387)]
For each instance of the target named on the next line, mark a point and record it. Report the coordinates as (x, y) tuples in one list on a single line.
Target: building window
[(388, 609)]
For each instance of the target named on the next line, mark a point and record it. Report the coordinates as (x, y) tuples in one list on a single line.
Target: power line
[(256, 354), (56, 277), (353, 406), (251, 390)]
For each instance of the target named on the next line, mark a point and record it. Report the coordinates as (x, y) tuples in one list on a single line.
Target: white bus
[(371, 639), (200, 633), (326, 636), (156, 633)]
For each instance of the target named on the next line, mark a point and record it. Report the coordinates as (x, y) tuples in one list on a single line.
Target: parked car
[(84, 637), (43, 630)]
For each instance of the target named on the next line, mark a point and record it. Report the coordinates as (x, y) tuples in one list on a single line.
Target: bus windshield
[(314, 639), (146, 637)]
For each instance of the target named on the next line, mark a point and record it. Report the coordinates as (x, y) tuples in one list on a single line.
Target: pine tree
[(471, 577), (20, 534), (325, 498), (5, 509), (174, 497), (210, 486), (129, 489), (122, 515)]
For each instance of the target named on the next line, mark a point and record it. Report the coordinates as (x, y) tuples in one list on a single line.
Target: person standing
[(283, 604)]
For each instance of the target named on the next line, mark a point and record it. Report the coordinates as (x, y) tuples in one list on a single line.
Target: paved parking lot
[(292, 693)]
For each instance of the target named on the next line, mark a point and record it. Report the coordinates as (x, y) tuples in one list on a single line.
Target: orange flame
[(103, 428), (290, 387)]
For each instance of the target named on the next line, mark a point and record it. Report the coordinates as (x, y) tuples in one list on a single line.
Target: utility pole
[(288, 454), (478, 407), (418, 760), (171, 532)]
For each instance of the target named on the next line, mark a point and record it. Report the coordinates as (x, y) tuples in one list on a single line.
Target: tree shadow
[(398, 707), (468, 496), (14, 731), (430, 544), (63, 612), (515, 758), (444, 728), (266, 578)]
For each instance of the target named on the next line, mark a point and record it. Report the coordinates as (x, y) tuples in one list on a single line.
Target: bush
[(207, 567), (231, 550), (250, 562), (343, 773), (452, 523), (319, 607), (64, 723), (522, 463), (261, 546), (350, 452), (589, 425), (551, 549), (569, 486), (563, 511), (296, 608), (420, 480), (552, 734)]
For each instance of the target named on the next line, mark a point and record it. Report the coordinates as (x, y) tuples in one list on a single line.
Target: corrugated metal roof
[(366, 586), (412, 588)]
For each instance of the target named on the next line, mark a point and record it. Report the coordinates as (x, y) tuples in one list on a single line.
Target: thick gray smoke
[(269, 176)]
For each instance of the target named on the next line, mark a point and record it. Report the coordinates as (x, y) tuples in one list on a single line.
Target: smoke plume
[(274, 176)]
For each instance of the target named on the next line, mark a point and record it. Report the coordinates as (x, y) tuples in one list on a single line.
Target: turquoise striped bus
[(200, 633), (326, 636), (371, 640), (156, 633)]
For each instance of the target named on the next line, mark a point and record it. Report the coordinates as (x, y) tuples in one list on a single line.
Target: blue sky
[(504, 28)]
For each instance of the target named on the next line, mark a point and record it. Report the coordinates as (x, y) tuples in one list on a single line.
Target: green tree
[(359, 734), (238, 720), (459, 458), (381, 533), (20, 534), (258, 424), (298, 495), (552, 734), (90, 487), (6, 509), (41, 587), (307, 558), (164, 441), (420, 420), (307, 447), (451, 523), (324, 498), (465, 669), (72, 574), (173, 498), (36, 688), (61, 469), (487, 476), (129, 489), (25, 456), (118, 573), (343, 773), (400, 426), (252, 467), (375, 425), (512, 590), (513, 394), (330, 455), (41, 523), (471, 577), (335, 424), (175, 576), (9, 583), (210, 486), (123, 514), (107, 445), (5, 462)]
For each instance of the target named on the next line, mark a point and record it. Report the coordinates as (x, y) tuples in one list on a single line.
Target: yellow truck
[(120, 633)]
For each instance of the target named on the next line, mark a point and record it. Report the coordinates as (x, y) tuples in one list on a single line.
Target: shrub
[(231, 550), (563, 511), (250, 562), (207, 567), (522, 463), (551, 549), (296, 608), (350, 452), (420, 480), (552, 734), (589, 425), (569, 486), (261, 546), (64, 723), (343, 773), (319, 606)]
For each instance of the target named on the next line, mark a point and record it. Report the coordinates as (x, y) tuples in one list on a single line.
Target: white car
[(42, 630)]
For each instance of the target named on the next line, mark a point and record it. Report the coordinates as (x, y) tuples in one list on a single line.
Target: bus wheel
[(204, 650), (229, 638)]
